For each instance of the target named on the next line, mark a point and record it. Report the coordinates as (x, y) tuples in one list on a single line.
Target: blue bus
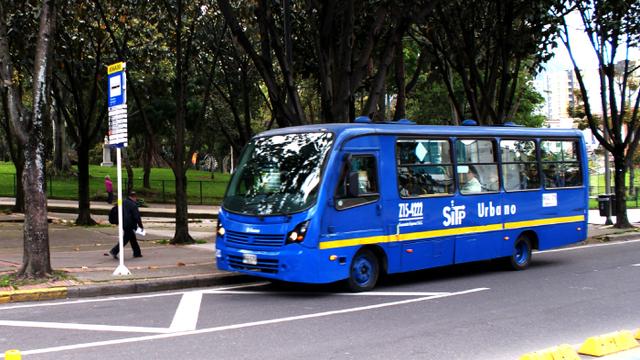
[(330, 202)]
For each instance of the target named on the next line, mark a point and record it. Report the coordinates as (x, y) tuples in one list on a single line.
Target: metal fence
[(633, 199), (204, 192)]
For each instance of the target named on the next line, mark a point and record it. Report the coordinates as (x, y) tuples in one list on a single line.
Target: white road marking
[(242, 325), (635, 265), (186, 316), (116, 298), (582, 247), (72, 326), (367, 293)]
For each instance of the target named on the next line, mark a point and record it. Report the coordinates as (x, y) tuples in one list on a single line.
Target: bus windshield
[(278, 175)]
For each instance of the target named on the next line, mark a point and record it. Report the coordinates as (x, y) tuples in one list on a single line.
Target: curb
[(33, 294), (624, 236), (151, 285), (129, 287)]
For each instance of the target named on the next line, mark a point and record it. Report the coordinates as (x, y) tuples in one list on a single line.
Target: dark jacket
[(131, 215)]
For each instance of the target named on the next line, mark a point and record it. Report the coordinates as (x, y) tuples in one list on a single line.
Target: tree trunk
[(622, 221), (84, 204), (36, 261), (631, 191), (60, 158), (146, 177), (130, 175), (399, 77), (18, 161), (181, 235)]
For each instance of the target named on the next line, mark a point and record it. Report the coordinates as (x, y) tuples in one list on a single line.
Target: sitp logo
[(453, 214)]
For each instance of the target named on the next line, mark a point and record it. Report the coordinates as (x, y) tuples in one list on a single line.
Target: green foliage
[(530, 102), (490, 46), (429, 102)]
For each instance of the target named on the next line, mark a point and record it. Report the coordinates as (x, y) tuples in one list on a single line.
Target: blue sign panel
[(117, 89)]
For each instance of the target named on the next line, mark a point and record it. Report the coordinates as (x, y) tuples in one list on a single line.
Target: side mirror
[(353, 186)]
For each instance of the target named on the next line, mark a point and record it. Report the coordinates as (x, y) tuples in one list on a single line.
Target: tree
[(356, 43), (79, 72), (29, 127), (16, 151), (611, 26), (284, 97), (489, 45)]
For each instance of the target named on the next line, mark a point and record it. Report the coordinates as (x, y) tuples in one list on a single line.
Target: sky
[(582, 50), (585, 58)]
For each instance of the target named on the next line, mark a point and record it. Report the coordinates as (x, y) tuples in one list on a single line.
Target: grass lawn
[(597, 180), (201, 188)]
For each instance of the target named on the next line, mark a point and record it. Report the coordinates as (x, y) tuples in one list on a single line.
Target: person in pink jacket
[(108, 186)]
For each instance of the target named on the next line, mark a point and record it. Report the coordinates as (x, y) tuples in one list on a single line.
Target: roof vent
[(362, 120), (469, 122), (511, 124)]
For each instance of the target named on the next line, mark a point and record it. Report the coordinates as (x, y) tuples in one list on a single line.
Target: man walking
[(131, 221)]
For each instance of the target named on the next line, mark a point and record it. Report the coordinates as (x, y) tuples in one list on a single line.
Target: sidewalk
[(80, 251)]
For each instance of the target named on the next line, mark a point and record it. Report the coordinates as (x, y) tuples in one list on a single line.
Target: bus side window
[(477, 166), (519, 165), (424, 167), (358, 183)]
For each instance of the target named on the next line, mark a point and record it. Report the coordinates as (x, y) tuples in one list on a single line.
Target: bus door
[(355, 212), (479, 227)]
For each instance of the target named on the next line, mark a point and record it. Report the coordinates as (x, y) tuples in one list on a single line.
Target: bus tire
[(521, 256), (363, 271)]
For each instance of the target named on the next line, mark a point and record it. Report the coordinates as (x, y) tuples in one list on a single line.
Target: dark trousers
[(129, 236), (110, 197)]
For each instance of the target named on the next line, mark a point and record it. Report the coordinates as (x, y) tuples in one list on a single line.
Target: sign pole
[(117, 79), (121, 269)]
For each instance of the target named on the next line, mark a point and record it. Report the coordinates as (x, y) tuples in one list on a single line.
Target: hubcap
[(522, 254), (362, 270)]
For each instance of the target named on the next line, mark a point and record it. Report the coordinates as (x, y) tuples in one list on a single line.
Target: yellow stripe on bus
[(447, 232), (356, 241), (539, 222)]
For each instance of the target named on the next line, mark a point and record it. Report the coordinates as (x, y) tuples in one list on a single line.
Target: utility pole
[(607, 179)]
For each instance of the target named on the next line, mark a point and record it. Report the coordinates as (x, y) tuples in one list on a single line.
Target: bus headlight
[(298, 233), (220, 229)]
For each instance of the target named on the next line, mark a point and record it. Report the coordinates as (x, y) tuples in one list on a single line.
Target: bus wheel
[(521, 257), (364, 271)]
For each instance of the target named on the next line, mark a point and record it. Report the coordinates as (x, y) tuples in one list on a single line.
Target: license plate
[(250, 259)]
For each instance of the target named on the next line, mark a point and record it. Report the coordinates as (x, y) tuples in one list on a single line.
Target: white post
[(231, 172), (121, 269)]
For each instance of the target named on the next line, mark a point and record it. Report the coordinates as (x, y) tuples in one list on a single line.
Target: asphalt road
[(473, 311)]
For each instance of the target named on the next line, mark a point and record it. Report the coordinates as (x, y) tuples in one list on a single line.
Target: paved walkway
[(80, 251)]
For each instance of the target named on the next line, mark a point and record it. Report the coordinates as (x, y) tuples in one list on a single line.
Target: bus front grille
[(240, 238), (264, 265)]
